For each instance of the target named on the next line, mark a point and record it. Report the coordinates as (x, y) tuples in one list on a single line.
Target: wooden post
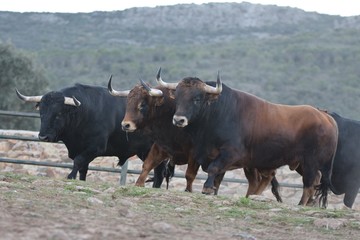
[(123, 173)]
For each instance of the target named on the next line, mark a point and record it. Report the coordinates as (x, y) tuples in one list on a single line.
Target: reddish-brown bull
[(254, 133)]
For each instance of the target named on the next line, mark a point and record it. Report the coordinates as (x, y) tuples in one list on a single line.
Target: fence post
[(123, 173)]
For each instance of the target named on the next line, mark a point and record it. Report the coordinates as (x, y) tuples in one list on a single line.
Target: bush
[(18, 70)]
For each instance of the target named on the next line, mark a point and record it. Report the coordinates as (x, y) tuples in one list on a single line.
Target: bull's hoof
[(311, 202), (139, 184), (71, 176), (301, 203), (208, 191)]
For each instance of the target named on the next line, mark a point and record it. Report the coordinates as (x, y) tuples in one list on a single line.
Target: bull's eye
[(141, 106)]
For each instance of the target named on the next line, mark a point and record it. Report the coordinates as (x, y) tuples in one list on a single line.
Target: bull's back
[(285, 132)]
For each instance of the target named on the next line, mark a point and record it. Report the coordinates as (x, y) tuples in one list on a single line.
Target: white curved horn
[(72, 101), (165, 84), (28, 98), (214, 90), (152, 91), (116, 93)]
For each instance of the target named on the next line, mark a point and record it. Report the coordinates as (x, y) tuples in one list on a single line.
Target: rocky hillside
[(180, 24)]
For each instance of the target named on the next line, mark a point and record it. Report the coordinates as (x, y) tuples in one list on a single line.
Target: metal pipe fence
[(123, 170)]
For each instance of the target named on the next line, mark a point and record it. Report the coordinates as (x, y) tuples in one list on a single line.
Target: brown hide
[(152, 115)]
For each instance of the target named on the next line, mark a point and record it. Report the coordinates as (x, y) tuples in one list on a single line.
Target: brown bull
[(250, 132)]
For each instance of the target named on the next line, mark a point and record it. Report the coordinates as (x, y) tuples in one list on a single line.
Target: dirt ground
[(45, 208), (38, 203)]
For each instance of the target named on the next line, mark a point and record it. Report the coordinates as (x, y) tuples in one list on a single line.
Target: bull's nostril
[(180, 121), (126, 126)]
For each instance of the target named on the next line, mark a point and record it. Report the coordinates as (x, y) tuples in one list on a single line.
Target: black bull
[(346, 169), (87, 120), (253, 133)]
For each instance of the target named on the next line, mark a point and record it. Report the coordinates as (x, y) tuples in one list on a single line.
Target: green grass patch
[(236, 212), (79, 189), (11, 177), (131, 192), (354, 225), (294, 220), (246, 202)]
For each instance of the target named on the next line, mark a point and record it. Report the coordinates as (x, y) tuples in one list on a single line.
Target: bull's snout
[(180, 121), (128, 126), (43, 138)]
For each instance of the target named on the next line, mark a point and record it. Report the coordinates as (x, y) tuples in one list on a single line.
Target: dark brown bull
[(254, 133), (151, 110)]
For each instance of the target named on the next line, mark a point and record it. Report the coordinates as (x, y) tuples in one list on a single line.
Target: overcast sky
[(333, 7)]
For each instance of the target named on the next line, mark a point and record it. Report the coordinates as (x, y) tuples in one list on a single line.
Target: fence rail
[(123, 170), (19, 114)]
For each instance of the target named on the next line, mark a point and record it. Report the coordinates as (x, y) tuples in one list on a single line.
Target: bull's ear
[(37, 106), (172, 94)]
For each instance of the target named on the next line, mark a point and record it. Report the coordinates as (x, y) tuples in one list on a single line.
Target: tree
[(18, 70)]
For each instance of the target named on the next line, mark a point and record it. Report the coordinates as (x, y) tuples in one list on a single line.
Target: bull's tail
[(169, 172), (275, 189)]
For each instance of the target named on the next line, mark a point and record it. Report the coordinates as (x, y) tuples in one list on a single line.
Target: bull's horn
[(152, 91), (116, 93), (72, 101), (214, 90), (165, 84), (28, 98)]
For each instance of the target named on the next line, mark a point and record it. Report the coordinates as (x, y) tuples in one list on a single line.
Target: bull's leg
[(266, 177), (82, 161), (350, 196), (83, 171), (73, 173), (312, 200), (305, 196), (224, 161), (80, 165), (310, 177), (253, 177), (209, 185), (217, 182), (155, 156), (191, 173), (159, 173)]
